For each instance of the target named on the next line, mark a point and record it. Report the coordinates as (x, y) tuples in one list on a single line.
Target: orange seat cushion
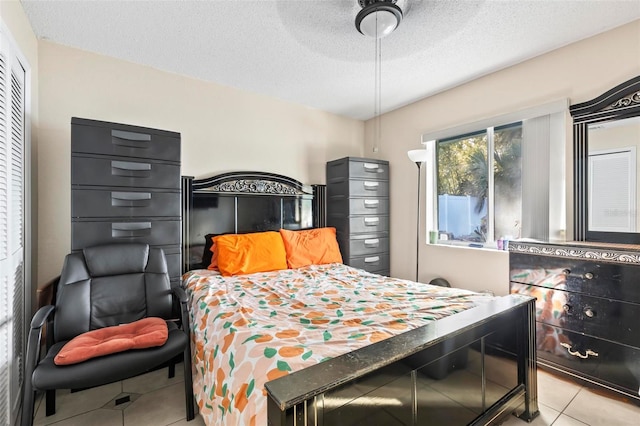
[(311, 247), (144, 333), (249, 253)]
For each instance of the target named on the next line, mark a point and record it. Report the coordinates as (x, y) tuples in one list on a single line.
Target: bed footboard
[(472, 368)]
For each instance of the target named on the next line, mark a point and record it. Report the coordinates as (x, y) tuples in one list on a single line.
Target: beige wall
[(579, 72), (222, 129), (17, 24)]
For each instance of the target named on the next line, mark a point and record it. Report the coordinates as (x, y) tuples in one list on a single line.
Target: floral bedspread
[(249, 329)]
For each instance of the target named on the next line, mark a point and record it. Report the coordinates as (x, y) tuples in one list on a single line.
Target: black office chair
[(99, 287)]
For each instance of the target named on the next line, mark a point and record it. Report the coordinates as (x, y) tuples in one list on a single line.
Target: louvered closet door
[(12, 213)]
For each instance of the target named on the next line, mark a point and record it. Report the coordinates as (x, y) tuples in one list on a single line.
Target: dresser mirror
[(606, 144)]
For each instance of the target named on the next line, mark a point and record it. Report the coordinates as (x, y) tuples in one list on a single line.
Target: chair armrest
[(33, 340), (41, 316), (180, 294)]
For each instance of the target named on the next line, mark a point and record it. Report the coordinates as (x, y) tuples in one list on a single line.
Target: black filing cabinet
[(358, 207), (125, 187), (587, 309)]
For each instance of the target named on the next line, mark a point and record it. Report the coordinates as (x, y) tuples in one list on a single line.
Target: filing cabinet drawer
[(365, 246), (368, 170), (114, 172), (358, 168), (346, 226), (361, 224), (359, 188), (372, 263), (124, 141), (358, 206), (121, 202), (158, 232)]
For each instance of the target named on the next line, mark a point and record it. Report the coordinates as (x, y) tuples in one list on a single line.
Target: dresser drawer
[(152, 232), (373, 263), (612, 364), (609, 319), (357, 168), (125, 141), (114, 172), (601, 279), (124, 203)]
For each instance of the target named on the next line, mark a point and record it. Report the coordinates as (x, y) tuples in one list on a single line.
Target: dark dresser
[(358, 207), (125, 187), (587, 309)]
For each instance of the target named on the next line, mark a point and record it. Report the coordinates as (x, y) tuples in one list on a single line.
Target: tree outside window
[(469, 197)]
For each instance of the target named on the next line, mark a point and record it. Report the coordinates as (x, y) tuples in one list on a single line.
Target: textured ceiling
[(310, 53)]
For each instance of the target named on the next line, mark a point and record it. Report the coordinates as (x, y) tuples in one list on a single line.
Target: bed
[(328, 344)]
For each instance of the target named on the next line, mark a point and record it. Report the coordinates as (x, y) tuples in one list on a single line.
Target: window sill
[(468, 246)]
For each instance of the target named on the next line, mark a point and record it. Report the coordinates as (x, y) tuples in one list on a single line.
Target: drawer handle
[(372, 168), (373, 242), (130, 139), (372, 259), (130, 229), (371, 221), (566, 308), (130, 169), (589, 312), (588, 276), (586, 355), (371, 204), (130, 199), (371, 185), (566, 271)]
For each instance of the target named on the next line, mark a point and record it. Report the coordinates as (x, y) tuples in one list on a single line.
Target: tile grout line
[(567, 406)]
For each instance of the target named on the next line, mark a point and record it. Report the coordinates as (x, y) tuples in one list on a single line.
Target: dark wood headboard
[(241, 202)]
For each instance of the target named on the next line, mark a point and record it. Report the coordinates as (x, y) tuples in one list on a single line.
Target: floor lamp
[(418, 156)]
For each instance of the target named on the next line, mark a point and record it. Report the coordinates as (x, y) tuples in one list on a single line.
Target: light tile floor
[(159, 401)]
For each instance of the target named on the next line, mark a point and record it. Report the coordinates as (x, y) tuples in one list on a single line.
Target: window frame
[(429, 140)]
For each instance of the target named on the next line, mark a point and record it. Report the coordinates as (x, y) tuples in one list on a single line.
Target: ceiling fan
[(378, 18)]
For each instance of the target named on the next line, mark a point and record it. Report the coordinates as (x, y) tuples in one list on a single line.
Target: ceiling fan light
[(378, 19)]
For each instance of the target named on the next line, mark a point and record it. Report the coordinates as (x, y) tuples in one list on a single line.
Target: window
[(12, 227), (480, 195), (496, 179)]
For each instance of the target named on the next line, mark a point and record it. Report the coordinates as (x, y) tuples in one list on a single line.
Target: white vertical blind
[(12, 229), (543, 201), (535, 177)]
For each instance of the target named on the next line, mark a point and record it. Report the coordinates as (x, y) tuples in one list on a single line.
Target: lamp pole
[(419, 164), (418, 156)]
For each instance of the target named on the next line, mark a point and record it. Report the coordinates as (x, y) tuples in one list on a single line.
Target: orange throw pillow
[(311, 247), (144, 333), (249, 253), (213, 266)]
